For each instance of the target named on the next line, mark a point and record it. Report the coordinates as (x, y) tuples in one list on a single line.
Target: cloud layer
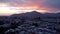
[(53, 4), (45, 4)]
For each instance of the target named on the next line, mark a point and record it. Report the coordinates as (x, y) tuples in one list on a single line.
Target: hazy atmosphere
[(8, 7)]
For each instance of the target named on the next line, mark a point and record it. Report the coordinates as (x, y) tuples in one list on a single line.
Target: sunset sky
[(8, 7)]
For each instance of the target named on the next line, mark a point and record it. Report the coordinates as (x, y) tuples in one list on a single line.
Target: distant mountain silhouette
[(32, 14), (35, 14)]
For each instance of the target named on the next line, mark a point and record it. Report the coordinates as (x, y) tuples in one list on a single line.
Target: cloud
[(4, 1), (21, 2), (41, 4), (52, 4)]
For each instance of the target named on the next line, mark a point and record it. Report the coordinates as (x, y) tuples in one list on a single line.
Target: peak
[(33, 13)]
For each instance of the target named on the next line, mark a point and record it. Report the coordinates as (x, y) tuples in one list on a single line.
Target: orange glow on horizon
[(8, 10)]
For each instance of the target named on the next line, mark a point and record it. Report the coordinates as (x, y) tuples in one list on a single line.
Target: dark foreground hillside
[(29, 23)]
